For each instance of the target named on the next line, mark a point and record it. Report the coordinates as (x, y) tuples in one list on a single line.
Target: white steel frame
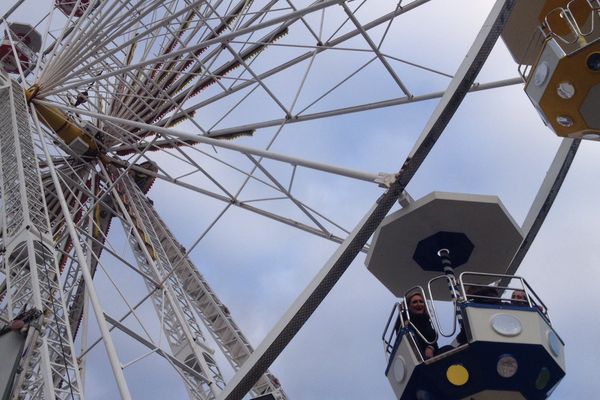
[(140, 62)]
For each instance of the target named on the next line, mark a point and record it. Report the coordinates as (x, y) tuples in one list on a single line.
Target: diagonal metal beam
[(543, 201), (330, 44), (153, 347), (358, 108), (225, 144), (376, 50), (243, 205), (287, 193), (11, 10)]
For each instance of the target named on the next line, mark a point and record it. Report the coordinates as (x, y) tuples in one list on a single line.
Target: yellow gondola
[(557, 44)]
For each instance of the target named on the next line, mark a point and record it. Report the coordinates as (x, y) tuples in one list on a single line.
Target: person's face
[(518, 295), (416, 305)]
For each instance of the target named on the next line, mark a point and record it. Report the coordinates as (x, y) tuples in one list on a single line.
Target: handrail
[(525, 287), (593, 10), (459, 296), (539, 36), (418, 332), (539, 300), (455, 298), (580, 35), (401, 321), (387, 342), (567, 16)]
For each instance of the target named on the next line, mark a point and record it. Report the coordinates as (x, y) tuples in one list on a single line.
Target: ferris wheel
[(147, 144)]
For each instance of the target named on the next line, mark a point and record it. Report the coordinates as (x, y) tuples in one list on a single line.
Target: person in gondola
[(426, 336), (482, 295), (518, 298)]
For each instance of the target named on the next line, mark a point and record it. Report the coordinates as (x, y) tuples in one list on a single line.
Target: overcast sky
[(496, 145)]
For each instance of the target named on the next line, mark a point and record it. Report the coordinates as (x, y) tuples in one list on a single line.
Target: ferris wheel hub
[(32, 92), (72, 132)]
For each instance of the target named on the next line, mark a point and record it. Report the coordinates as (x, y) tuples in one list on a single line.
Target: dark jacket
[(422, 323)]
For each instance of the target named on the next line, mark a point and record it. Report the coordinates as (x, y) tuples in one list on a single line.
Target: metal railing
[(568, 25), (571, 28), (533, 49), (531, 297), (388, 343), (452, 285), (464, 290), (403, 320)]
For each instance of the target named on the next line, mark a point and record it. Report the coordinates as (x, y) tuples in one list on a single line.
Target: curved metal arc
[(451, 284)]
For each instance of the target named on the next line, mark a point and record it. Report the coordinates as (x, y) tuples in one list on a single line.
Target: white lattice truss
[(49, 368)]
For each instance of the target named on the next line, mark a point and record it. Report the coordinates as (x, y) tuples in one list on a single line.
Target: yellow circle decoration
[(457, 375)]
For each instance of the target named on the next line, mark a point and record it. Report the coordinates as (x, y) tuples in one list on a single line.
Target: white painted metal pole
[(11, 10), (87, 276), (86, 302), (224, 38), (376, 178), (302, 117), (167, 291)]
